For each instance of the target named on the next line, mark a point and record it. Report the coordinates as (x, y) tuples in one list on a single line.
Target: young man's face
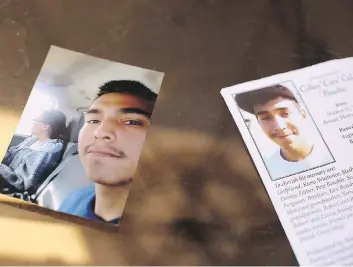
[(282, 121), (111, 140)]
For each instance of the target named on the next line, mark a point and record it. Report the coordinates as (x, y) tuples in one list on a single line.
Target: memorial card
[(298, 128)]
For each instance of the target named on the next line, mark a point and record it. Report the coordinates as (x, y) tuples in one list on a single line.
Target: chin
[(286, 141)]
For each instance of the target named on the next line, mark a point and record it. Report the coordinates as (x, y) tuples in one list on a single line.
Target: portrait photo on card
[(77, 145), (283, 130)]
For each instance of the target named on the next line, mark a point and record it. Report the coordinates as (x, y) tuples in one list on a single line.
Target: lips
[(103, 153), (284, 136)]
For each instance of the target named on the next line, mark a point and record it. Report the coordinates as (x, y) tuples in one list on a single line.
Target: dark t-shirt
[(81, 203)]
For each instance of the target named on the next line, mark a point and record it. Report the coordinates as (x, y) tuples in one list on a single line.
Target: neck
[(110, 201), (297, 153), (42, 137)]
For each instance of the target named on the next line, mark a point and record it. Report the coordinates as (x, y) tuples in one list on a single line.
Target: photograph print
[(78, 142), (283, 130)]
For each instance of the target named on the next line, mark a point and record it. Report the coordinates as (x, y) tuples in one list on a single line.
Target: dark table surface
[(197, 198)]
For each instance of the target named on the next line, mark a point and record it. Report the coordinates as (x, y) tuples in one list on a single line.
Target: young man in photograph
[(286, 124), (110, 144)]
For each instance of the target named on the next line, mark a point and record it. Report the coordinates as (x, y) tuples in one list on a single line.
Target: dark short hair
[(248, 100), (130, 87)]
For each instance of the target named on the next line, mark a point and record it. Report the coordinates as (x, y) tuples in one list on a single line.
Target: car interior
[(66, 83), (67, 177)]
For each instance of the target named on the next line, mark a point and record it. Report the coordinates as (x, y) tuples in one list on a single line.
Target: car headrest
[(77, 128), (71, 149)]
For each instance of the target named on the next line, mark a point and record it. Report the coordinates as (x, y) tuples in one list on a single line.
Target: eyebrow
[(122, 110), (266, 112)]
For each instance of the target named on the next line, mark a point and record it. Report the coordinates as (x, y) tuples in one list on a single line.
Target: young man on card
[(285, 123)]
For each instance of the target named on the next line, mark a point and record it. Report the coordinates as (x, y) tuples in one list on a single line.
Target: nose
[(280, 123), (106, 131)]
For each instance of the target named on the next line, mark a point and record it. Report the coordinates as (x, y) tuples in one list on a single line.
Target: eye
[(92, 121), (133, 122), (285, 114), (266, 118)]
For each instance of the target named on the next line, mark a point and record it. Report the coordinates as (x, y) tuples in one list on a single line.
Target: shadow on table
[(197, 200)]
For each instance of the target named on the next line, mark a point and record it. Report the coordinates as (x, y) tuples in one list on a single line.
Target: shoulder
[(53, 146), (82, 193), (320, 147), (276, 165), (77, 197), (275, 158), (320, 154), (29, 140)]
